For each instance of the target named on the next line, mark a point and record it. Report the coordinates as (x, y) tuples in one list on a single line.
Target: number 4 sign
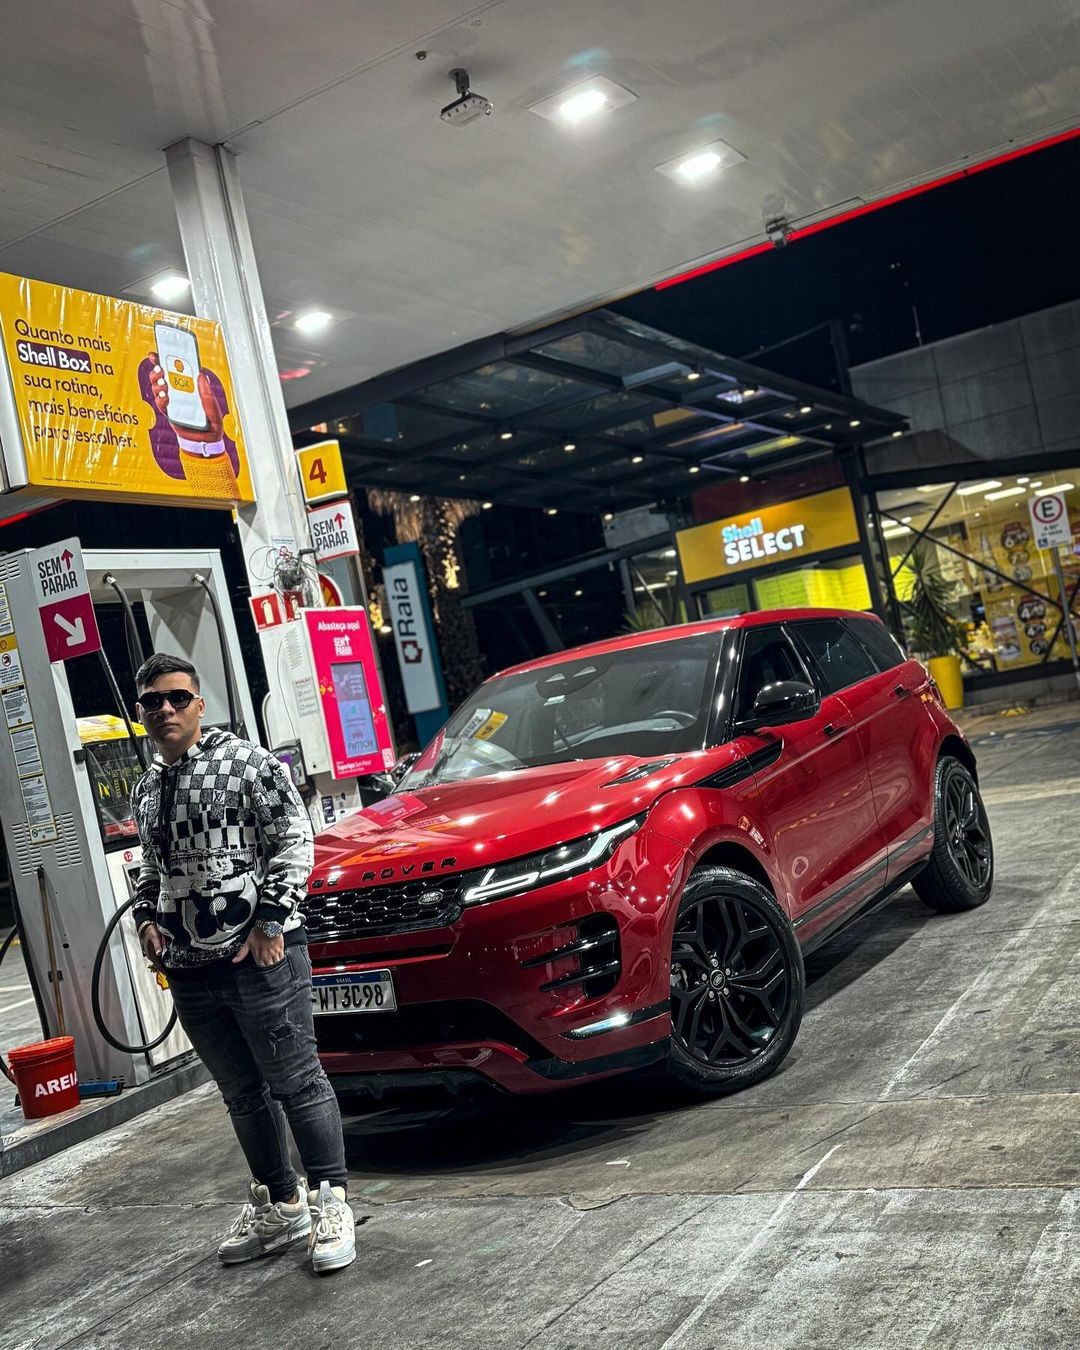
[(322, 474)]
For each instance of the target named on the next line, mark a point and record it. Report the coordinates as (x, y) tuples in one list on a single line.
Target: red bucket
[(45, 1076)]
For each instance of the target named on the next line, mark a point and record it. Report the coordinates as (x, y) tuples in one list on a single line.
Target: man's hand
[(153, 945), (266, 951)]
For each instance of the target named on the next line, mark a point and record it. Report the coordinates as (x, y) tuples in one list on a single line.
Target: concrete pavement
[(911, 1178)]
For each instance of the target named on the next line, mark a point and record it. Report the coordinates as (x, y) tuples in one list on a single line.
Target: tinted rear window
[(879, 642), (839, 659)]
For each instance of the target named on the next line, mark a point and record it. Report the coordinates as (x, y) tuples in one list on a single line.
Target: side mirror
[(784, 701), (402, 767)]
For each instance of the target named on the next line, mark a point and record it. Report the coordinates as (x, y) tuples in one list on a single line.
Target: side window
[(768, 657), (879, 642), (839, 659)]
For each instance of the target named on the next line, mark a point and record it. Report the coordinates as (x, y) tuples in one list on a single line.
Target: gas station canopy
[(596, 413), (414, 235)]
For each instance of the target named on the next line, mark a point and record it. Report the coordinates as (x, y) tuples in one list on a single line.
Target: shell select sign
[(755, 538)]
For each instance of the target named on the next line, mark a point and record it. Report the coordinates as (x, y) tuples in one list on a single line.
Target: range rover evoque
[(618, 855)]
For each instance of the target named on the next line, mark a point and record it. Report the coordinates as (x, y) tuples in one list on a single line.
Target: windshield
[(646, 700)]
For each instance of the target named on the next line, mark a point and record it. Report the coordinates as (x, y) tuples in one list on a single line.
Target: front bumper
[(489, 995)]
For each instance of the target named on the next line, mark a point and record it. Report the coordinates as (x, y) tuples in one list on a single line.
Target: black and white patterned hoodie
[(226, 840)]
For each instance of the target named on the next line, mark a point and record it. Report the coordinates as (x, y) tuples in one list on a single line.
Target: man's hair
[(161, 663)]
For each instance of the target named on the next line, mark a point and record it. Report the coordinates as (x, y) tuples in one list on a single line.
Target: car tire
[(960, 873), (737, 981)]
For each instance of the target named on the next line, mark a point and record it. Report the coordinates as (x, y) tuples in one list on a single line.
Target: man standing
[(227, 848)]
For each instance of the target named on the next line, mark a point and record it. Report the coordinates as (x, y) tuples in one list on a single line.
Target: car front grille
[(402, 907), (438, 1023)]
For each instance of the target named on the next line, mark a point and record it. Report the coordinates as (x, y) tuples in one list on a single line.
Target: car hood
[(481, 821)]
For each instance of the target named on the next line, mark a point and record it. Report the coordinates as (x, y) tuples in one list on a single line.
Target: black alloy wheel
[(736, 982), (960, 872), (967, 831)]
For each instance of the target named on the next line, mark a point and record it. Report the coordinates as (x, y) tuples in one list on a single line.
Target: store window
[(976, 536), (652, 580)]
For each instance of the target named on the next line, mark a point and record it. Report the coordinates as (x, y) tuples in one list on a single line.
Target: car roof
[(676, 632)]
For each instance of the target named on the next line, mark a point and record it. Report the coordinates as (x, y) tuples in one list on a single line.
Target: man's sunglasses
[(178, 699)]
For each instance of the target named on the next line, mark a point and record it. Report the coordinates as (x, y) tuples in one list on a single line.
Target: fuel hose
[(95, 993), (235, 725)]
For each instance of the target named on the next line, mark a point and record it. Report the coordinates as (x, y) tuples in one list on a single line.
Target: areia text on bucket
[(744, 543)]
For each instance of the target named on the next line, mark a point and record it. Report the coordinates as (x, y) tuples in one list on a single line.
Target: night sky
[(988, 248)]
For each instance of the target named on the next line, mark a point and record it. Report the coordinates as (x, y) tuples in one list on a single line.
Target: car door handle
[(836, 728), (902, 691)]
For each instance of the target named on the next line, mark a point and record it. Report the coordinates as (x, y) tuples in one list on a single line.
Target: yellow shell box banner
[(790, 531), (121, 400)]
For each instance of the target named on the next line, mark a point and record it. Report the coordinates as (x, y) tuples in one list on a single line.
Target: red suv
[(619, 854)]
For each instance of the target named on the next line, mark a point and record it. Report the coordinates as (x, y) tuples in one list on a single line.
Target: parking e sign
[(1050, 521)]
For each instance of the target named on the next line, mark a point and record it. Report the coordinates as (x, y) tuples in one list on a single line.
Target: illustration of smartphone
[(178, 356)]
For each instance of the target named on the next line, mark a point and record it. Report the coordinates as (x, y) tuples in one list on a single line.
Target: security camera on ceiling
[(467, 107)]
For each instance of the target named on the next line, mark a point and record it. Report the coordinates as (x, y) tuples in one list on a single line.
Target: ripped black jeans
[(252, 1028)]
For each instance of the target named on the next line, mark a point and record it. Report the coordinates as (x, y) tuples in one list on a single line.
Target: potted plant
[(936, 634)]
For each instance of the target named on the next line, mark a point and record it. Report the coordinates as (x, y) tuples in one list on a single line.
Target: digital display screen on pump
[(354, 708), (114, 768)]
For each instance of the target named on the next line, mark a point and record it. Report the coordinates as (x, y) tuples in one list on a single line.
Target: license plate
[(353, 991)]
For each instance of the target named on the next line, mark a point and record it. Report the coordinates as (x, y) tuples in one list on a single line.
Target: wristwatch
[(269, 927)]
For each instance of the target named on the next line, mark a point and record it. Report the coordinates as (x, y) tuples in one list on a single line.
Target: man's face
[(173, 730)]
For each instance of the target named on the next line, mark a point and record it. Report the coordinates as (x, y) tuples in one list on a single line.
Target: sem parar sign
[(790, 530)]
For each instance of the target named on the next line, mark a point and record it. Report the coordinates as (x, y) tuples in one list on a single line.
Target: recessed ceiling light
[(1058, 487), (485, 506), (313, 321), (506, 435), (970, 488), (1023, 480), (583, 101), (806, 409), (637, 459), (577, 107), (579, 594), (609, 516), (854, 422), (569, 446), (693, 374), (897, 433), (701, 165), (750, 393), (745, 478), (170, 287), (1006, 492), (1037, 483), (415, 497), (552, 511), (695, 468)]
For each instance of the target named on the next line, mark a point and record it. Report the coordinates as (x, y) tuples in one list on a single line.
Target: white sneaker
[(262, 1227), (332, 1243)]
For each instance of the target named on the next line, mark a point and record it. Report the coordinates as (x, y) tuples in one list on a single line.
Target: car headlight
[(539, 869)]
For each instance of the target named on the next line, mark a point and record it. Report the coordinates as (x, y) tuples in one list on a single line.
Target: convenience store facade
[(807, 552)]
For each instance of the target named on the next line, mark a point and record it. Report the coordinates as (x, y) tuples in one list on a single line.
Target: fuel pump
[(71, 842)]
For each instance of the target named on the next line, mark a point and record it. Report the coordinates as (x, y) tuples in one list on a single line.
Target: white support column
[(225, 286)]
